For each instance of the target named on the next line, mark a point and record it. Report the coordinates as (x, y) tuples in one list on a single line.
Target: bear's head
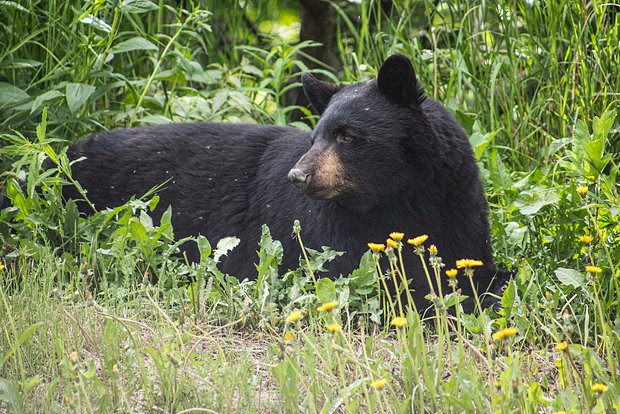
[(372, 140)]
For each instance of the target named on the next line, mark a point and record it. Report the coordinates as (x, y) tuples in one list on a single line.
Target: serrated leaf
[(77, 94), (224, 246), (530, 202), (570, 277), (135, 43)]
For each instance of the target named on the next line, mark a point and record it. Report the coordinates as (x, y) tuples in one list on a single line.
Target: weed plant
[(100, 313)]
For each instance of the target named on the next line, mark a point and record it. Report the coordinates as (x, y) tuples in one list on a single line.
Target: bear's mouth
[(321, 193)]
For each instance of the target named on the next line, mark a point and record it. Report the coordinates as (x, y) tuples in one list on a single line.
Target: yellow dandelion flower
[(418, 241), (294, 316), (561, 346), (504, 334), (599, 387), (2, 267), (288, 336), (397, 236), (481, 350), (399, 322), (451, 273), (393, 244), (334, 327), (582, 191), (586, 239), (432, 249), (466, 263), (594, 269), (378, 384), (376, 247), (327, 306), (559, 412)]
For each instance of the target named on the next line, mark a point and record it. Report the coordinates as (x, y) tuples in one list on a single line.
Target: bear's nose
[(299, 178)]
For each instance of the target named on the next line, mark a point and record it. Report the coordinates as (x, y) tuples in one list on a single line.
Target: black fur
[(381, 159)]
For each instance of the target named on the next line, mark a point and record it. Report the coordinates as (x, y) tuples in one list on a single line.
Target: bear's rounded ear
[(318, 92), (397, 81)]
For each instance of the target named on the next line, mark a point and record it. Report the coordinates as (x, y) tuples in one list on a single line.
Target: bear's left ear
[(397, 81), (318, 92)]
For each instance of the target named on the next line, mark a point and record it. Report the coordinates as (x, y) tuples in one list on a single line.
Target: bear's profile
[(382, 158)]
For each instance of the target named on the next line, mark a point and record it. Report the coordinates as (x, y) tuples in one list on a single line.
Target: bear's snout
[(299, 178)]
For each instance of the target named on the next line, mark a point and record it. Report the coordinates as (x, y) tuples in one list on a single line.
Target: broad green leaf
[(570, 277), (96, 22), (480, 141), (530, 202), (44, 97), (135, 43), (19, 63), (326, 290), (77, 94), (204, 247), (137, 230), (138, 6), (11, 95)]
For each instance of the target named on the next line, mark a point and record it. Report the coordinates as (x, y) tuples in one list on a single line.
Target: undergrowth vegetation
[(99, 313)]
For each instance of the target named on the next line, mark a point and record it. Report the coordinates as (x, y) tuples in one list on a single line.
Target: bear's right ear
[(318, 92)]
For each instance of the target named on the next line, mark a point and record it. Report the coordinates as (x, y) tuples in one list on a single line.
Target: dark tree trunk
[(318, 23)]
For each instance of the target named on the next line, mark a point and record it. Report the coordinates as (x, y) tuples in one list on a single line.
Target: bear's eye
[(345, 139)]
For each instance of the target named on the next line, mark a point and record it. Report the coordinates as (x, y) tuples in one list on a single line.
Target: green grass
[(98, 315)]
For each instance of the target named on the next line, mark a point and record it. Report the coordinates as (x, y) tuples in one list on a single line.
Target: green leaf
[(44, 97), (135, 43), (530, 202), (138, 6), (96, 22), (204, 247), (23, 337), (570, 277), (77, 94), (137, 230), (508, 299), (326, 290), (224, 246), (165, 223), (11, 95), (9, 393), (480, 141), (71, 219)]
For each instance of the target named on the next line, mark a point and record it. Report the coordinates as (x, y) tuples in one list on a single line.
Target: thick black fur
[(402, 163)]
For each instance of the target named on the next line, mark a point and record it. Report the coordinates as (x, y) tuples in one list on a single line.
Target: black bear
[(383, 157)]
